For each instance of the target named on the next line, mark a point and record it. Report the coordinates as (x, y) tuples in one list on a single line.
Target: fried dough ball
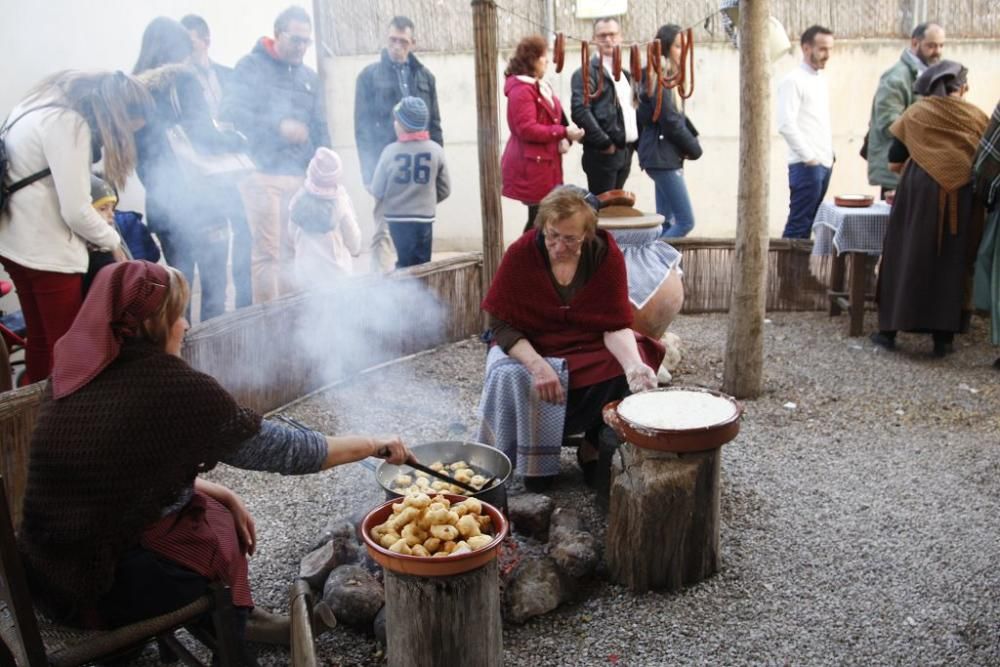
[(418, 500), (406, 516), (419, 550), (432, 544), (479, 541), (388, 539), (458, 465), (403, 480), (401, 547), (413, 535), (468, 526), (445, 532)]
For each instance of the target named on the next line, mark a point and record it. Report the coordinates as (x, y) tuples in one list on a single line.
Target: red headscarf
[(121, 297)]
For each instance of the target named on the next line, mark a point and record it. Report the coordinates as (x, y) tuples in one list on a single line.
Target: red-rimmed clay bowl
[(854, 201), (698, 439), (422, 566)]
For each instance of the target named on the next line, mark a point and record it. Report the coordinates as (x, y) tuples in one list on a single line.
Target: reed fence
[(350, 27)]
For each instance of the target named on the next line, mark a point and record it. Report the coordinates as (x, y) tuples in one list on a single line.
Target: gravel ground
[(858, 527)]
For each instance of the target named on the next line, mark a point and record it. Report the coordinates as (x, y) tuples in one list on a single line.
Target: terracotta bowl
[(676, 440), (854, 201), (421, 566)]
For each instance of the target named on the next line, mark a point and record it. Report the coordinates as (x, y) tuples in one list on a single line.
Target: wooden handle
[(616, 63), (559, 52)]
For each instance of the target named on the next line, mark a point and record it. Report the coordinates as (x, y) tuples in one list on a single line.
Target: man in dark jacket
[(277, 102), (215, 80), (609, 120), (379, 88)]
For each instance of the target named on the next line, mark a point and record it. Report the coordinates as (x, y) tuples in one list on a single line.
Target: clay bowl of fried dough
[(675, 419), (433, 536)]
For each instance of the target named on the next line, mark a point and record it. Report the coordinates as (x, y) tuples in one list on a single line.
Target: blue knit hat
[(412, 114)]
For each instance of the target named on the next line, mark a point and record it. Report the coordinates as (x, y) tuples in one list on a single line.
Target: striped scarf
[(986, 166)]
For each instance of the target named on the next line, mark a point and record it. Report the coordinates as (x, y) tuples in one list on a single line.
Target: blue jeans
[(672, 201), (412, 241), (808, 185)]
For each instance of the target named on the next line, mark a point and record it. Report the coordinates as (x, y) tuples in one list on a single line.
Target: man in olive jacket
[(894, 95)]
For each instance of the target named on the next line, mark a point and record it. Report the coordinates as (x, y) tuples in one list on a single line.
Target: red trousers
[(49, 302)]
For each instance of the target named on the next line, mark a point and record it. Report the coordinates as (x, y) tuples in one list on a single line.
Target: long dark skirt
[(925, 286)]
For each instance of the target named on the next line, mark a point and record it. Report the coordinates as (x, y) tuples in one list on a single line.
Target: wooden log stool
[(444, 621), (663, 519)]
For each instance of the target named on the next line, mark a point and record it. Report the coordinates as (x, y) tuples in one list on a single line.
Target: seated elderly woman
[(118, 526), (563, 346)]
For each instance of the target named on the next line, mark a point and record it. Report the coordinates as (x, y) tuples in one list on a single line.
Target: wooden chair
[(30, 640)]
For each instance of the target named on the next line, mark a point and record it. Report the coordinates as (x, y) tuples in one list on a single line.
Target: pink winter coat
[(531, 162)]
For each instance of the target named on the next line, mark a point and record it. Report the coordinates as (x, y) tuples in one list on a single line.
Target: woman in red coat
[(539, 131)]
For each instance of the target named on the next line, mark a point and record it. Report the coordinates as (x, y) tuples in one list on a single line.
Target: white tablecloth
[(840, 229)]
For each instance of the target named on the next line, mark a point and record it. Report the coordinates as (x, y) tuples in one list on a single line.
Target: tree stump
[(663, 522), (444, 621)]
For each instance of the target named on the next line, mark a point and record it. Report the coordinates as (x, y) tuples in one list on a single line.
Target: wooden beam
[(743, 375), (484, 22)]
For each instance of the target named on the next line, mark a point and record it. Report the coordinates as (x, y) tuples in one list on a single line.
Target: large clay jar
[(654, 286)]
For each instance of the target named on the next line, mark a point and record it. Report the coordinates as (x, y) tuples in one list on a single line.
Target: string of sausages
[(656, 82)]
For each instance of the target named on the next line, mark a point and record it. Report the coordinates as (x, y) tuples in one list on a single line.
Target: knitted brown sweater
[(107, 459)]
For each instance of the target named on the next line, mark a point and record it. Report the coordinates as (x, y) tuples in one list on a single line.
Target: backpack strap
[(37, 176)]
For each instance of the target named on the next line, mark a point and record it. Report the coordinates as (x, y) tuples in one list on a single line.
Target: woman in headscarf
[(117, 524), (986, 182), (925, 279)]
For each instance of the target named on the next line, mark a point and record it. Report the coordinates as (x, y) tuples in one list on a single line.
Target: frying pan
[(485, 459)]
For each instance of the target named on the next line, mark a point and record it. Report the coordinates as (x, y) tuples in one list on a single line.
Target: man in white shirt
[(804, 122), (609, 123)]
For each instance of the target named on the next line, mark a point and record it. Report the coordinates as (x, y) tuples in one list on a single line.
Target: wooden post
[(484, 22), (302, 643), (323, 56), (745, 338), (444, 621), (663, 521)]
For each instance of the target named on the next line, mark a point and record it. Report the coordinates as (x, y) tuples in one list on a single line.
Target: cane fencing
[(351, 27)]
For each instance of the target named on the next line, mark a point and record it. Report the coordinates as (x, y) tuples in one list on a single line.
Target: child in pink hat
[(322, 224)]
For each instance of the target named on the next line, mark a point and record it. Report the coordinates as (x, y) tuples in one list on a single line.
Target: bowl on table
[(854, 201)]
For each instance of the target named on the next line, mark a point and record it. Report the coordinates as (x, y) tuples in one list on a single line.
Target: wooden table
[(854, 232)]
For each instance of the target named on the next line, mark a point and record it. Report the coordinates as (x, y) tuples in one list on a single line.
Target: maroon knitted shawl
[(522, 294), (108, 458)]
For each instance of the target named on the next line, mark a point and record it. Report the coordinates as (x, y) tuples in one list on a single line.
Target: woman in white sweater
[(65, 124)]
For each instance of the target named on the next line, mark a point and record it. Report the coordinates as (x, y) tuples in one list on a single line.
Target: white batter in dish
[(676, 409)]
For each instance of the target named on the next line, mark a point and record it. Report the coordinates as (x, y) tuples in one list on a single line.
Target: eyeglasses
[(304, 42), (552, 238)]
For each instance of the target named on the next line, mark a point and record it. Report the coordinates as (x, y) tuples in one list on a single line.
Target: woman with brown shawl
[(925, 278)]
